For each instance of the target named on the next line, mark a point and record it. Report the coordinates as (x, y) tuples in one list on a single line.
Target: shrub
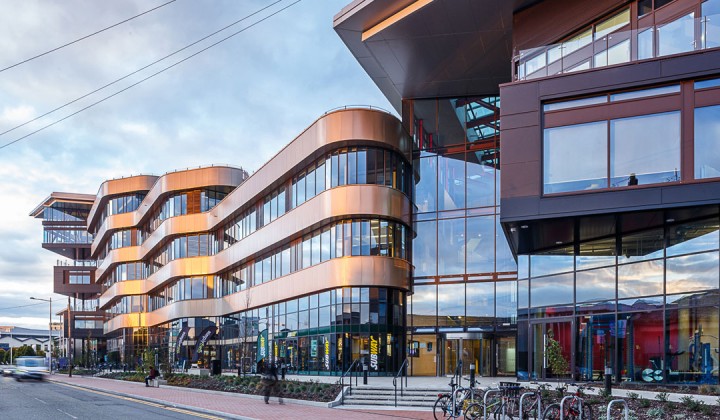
[(662, 396), (692, 404), (644, 402), (657, 412), (605, 394), (633, 395)]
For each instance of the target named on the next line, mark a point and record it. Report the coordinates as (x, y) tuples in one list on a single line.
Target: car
[(8, 370), (30, 367)]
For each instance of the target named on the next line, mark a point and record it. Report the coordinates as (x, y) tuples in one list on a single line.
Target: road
[(29, 400)]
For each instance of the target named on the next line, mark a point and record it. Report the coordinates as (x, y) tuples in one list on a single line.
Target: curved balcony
[(116, 187), (164, 185), (365, 271), (334, 204), (333, 130)]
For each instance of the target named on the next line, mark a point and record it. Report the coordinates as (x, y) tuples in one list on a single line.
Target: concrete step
[(388, 403)]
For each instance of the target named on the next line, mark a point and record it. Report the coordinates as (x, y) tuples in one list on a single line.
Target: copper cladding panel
[(118, 186), (363, 271), (175, 181), (333, 204)]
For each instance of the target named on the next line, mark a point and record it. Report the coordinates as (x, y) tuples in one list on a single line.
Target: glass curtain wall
[(465, 298), (642, 299)]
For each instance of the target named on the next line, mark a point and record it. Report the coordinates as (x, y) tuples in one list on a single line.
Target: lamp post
[(49, 331)]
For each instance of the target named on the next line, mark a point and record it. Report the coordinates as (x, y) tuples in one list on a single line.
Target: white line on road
[(66, 413), (40, 400)]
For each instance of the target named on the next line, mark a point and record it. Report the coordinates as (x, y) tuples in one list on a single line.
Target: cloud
[(238, 103)]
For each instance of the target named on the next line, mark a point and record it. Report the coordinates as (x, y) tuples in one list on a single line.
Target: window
[(632, 162), (562, 170), (707, 142)]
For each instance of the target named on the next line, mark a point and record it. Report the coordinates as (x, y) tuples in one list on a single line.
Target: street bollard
[(608, 380), (472, 375), (365, 373)]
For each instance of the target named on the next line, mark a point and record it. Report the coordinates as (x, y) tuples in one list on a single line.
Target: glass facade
[(320, 334), (642, 300), (464, 297)]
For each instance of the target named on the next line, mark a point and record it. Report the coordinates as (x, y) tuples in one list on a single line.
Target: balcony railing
[(685, 34)]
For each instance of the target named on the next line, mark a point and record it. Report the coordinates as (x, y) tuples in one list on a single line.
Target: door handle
[(544, 351)]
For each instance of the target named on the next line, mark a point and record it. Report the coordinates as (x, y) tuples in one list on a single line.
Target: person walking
[(151, 376), (270, 383)]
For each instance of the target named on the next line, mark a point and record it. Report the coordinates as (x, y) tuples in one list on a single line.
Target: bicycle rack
[(489, 391), (625, 407), (562, 405), (539, 402)]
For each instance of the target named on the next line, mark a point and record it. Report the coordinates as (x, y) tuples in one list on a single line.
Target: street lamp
[(49, 331)]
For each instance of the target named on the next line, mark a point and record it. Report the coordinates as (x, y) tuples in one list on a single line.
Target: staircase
[(365, 395)]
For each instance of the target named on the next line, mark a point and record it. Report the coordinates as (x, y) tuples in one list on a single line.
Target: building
[(609, 191), (14, 337), (306, 260), (64, 219)]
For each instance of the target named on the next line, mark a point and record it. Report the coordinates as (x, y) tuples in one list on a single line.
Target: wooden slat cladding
[(193, 202), (549, 21)]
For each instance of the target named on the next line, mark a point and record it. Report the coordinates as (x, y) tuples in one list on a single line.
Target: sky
[(237, 103)]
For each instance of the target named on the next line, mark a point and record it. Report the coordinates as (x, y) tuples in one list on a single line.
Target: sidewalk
[(235, 406)]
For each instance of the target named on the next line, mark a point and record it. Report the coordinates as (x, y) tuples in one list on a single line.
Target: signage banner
[(181, 339), (202, 339), (262, 346), (374, 352)]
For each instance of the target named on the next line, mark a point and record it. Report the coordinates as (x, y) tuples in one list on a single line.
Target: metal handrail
[(539, 403), (342, 381), (488, 392), (580, 406), (399, 373), (625, 408)]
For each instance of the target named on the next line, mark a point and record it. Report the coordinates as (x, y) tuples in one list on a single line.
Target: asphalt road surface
[(29, 400)]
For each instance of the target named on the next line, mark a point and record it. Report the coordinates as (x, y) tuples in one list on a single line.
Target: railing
[(347, 107), (682, 35), (625, 408), (350, 372), (401, 373)]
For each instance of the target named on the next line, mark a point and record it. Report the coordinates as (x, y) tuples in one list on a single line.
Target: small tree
[(557, 362)]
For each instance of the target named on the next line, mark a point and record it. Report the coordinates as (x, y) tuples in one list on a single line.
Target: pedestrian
[(283, 368), (151, 376), (270, 383)]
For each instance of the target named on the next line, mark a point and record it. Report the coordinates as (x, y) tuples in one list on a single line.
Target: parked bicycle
[(502, 403), (448, 407), (571, 410), (532, 404)]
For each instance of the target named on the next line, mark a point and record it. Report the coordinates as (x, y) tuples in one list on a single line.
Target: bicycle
[(534, 409), (447, 407), (503, 406), (571, 411)]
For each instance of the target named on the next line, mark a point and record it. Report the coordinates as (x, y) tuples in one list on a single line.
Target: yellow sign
[(374, 350)]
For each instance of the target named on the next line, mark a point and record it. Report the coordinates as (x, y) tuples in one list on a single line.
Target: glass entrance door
[(471, 351), (551, 349)]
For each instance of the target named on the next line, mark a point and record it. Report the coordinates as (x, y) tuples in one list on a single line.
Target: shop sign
[(374, 350), (313, 348), (202, 340), (327, 354), (262, 352), (181, 339)]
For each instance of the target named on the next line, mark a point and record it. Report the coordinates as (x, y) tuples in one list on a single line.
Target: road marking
[(40, 400), (152, 404), (66, 413)]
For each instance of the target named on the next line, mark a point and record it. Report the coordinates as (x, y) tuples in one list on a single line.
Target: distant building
[(18, 337)]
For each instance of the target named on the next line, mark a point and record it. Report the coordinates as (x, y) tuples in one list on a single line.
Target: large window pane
[(451, 258), (640, 279), (598, 284), (451, 305), (692, 273), (506, 302), (552, 290), (426, 187), (504, 260), (632, 162), (707, 142), (480, 182), (479, 245), (692, 342), (558, 261), (451, 186), (562, 170), (423, 306), (425, 248), (693, 237)]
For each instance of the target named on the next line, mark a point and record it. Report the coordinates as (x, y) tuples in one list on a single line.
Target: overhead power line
[(138, 70), (22, 306), (85, 37)]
